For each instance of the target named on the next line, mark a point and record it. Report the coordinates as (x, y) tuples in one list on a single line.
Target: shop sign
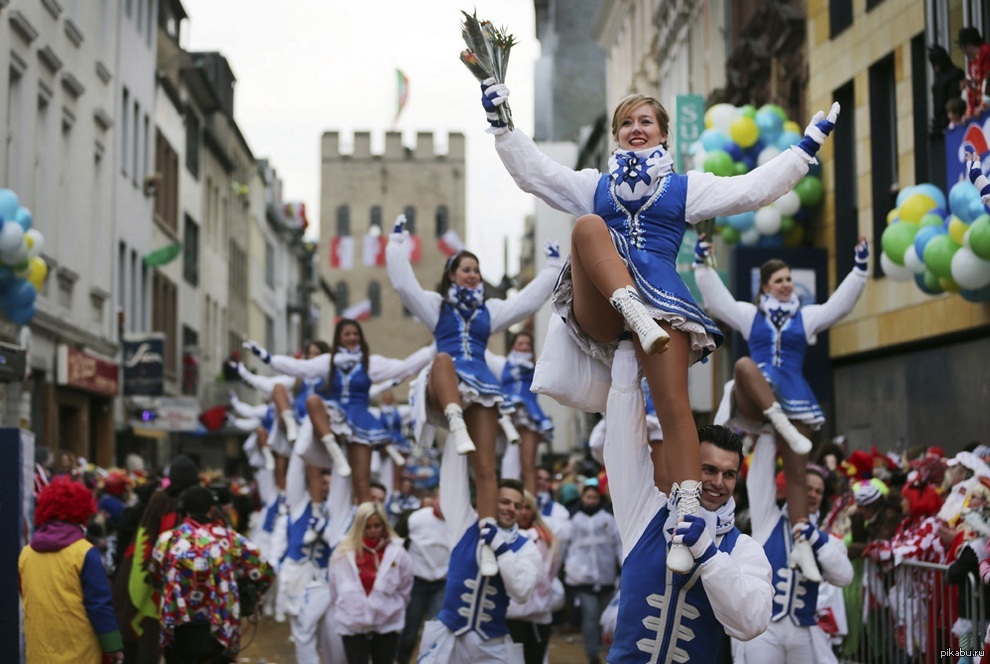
[(76, 368)]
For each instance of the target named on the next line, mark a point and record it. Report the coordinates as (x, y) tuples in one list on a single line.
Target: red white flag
[(342, 252), (413, 247), (358, 311), (450, 243), (373, 251)]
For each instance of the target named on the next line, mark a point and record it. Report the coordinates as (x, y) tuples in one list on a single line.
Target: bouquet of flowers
[(487, 54)]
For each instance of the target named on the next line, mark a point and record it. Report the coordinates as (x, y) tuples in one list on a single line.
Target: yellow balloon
[(949, 285), (37, 271), (915, 207), (957, 229), (708, 119), (891, 215), (790, 125), (744, 131), (28, 242)]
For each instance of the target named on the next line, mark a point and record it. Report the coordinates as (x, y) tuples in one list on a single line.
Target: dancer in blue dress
[(769, 385), (622, 270), (459, 390)]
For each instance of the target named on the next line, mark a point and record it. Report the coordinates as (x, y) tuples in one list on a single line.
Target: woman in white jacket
[(370, 584)]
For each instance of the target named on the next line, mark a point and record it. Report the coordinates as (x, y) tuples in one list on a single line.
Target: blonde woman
[(529, 622), (370, 584)]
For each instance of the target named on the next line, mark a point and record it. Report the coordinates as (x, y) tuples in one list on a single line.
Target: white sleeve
[(338, 507), (387, 368), (712, 196), (760, 488), (521, 570), (496, 363), (833, 559), (245, 423), (558, 186), (246, 410), (819, 317), (739, 590), (525, 303), (424, 305), (455, 494), (721, 305), (264, 384), (635, 499), (317, 367)]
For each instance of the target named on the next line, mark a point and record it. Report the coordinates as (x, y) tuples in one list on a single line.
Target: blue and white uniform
[(277, 440), (647, 208), (794, 634), (516, 373), (471, 624), (654, 432), (779, 334), (462, 332), (664, 617)]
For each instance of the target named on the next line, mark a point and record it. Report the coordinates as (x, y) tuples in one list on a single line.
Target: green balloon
[(810, 191), (740, 168), (979, 237), (719, 162), (896, 239), (729, 234), (932, 285), (748, 111), (938, 255), (931, 220), (776, 109), (787, 224)]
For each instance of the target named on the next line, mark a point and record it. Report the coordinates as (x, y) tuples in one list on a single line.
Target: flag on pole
[(342, 252), (358, 311), (402, 93), (414, 248), (450, 243), (373, 251)]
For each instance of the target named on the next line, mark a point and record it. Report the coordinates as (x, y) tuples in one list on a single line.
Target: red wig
[(922, 501), (65, 500)]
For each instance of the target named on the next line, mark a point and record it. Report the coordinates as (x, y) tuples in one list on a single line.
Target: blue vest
[(271, 514), (305, 389), (348, 388), (785, 348), (665, 617), (794, 596), (392, 421), (317, 552), (464, 336), (472, 601)]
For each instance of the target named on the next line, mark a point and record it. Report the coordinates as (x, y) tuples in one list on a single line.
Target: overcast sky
[(308, 66)]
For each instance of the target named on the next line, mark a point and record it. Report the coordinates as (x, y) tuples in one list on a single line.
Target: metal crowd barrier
[(910, 615)]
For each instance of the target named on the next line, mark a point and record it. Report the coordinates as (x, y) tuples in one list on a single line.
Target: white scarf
[(345, 359), (637, 173), (466, 299), (524, 360), (719, 522), (779, 312)]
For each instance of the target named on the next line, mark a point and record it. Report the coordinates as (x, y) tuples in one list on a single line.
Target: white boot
[(291, 427), (790, 434), (509, 429), (269, 458), (458, 429), (339, 458), (652, 337), (687, 500), (395, 455), (487, 561), (803, 558)]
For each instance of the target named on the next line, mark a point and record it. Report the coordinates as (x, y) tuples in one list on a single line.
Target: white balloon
[(969, 270), (788, 204), (768, 220), (38, 242), (912, 262), (698, 160), (766, 154), (11, 237), (750, 237), (895, 271), (723, 115)]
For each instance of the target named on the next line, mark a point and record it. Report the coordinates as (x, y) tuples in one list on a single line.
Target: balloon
[(750, 237), (957, 229), (930, 219), (743, 221), (903, 194), (744, 131), (787, 139), (722, 116), (35, 242), (775, 109), (976, 209), (786, 224), (970, 271), (24, 218), (978, 237), (8, 205), (810, 191), (713, 140), (924, 235), (20, 315), (915, 207), (895, 240), (981, 295), (893, 218), (21, 293), (730, 235), (6, 278), (949, 285), (11, 241), (721, 222), (770, 125), (815, 169), (960, 195), (719, 163), (794, 237), (911, 260), (932, 191), (734, 151), (767, 220), (928, 283), (774, 241), (740, 168), (792, 126), (893, 270), (767, 154), (747, 111), (938, 255), (38, 270), (788, 204)]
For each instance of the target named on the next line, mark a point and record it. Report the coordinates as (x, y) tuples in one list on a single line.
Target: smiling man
[(663, 616)]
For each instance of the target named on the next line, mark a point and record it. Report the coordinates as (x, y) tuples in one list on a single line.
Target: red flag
[(450, 243), (358, 311), (373, 251), (342, 252)]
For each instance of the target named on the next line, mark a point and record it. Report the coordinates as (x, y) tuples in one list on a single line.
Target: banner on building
[(144, 364), (358, 311), (690, 122), (971, 137), (79, 369), (342, 252)]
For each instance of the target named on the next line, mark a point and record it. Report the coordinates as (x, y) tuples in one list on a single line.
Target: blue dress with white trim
[(517, 381), (348, 392), (779, 353), (464, 336)]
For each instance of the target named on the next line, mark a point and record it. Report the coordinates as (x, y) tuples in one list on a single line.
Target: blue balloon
[(8, 204), (787, 139), (24, 218), (931, 191), (743, 221), (770, 125), (919, 279), (774, 241), (923, 236), (734, 151), (750, 161), (713, 139), (721, 221), (903, 194), (21, 294), (20, 315), (960, 195), (6, 278), (977, 295), (976, 209)]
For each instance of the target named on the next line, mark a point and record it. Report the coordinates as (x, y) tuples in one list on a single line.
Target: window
[(840, 16), (342, 296), (137, 136), (410, 213), (147, 147), (190, 251), (164, 315), (883, 147), (192, 143), (269, 265), (343, 221), (870, 4), (166, 187), (190, 361), (845, 196), (269, 332), (16, 134), (376, 218), (443, 222), (920, 86), (124, 110), (375, 297)]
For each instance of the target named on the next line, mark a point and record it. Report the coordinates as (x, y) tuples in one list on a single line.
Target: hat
[(65, 500), (922, 500), (182, 474), (116, 483), (867, 492), (569, 492), (969, 36), (971, 462)]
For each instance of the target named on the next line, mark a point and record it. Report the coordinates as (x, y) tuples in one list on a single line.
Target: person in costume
[(665, 616), (769, 384), (793, 634), (458, 390), (371, 582), (338, 409), (622, 271), (62, 582)]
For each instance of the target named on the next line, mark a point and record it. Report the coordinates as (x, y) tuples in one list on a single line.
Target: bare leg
[(281, 467), (359, 457), (280, 396), (283, 406), (529, 441), (661, 478), (314, 480), (482, 424), (752, 392), (442, 394), (597, 271), (795, 475)]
